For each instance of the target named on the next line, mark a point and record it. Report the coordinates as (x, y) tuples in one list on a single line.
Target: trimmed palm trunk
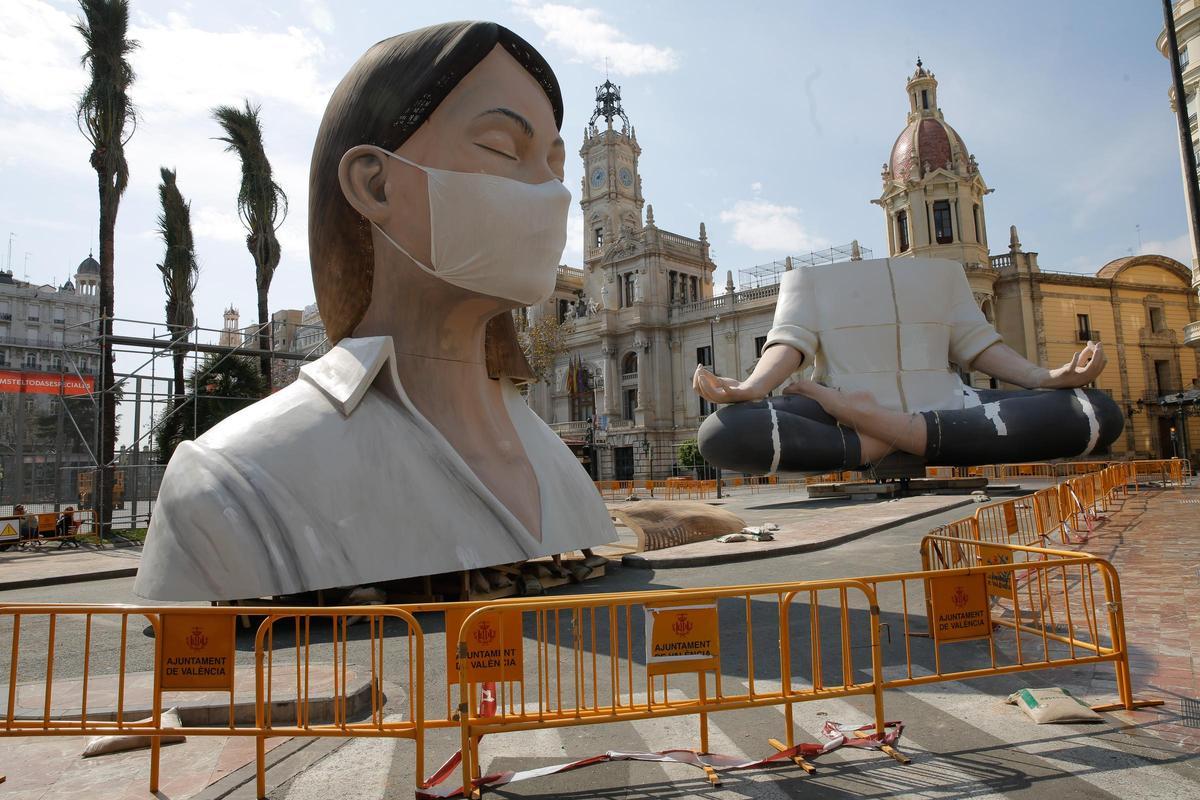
[(103, 113), (262, 207), (179, 271)]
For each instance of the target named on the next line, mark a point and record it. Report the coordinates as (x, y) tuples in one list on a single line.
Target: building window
[(1158, 321), (629, 366), (31, 360), (57, 363), (925, 99), (627, 290), (59, 315), (1084, 326), (672, 276), (583, 396), (943, 230), (704, 356), (902, 231), (759, 343), (629, 404), (33, 313), (975, 215), (598, 242), (1183, 57), (695, 284), (563, 308), (3, 358), (1162, 377)]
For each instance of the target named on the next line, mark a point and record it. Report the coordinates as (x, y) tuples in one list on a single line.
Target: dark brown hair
[(388, 93)]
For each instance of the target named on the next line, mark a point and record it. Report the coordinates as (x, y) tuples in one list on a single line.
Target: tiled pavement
[(50, 565), (1153, 539)]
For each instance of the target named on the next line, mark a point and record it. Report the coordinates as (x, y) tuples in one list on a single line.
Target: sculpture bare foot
[(880, 429)]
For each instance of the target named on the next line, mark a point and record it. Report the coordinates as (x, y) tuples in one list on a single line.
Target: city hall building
[(644, 307)]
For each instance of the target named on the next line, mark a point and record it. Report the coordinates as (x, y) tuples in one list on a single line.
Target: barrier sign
[(485, 655), (682, 638), (960, 607), (197, 652), (999, 584), (9, 532)]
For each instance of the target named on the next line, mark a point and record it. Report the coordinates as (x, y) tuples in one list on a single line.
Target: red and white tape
[(837, 735)]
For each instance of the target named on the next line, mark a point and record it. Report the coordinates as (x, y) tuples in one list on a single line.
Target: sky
[(768, 121)]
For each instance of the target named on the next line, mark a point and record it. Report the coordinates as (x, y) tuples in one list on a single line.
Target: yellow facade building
[(644, 308)]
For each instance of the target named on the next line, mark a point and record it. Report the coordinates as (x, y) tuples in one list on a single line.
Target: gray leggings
[(793, 433)]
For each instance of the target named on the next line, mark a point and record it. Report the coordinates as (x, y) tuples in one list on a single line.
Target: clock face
[(597, 177), (626, 176)]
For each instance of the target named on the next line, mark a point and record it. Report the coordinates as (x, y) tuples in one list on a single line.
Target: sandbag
[(1052, 705), (100, 745)]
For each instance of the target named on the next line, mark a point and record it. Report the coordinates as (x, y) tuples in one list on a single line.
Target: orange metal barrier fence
[(989, 588)]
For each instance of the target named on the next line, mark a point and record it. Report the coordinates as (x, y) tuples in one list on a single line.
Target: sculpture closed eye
[(421, 245)]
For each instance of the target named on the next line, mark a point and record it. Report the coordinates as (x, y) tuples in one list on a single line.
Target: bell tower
[(932, 190), (611, 196)]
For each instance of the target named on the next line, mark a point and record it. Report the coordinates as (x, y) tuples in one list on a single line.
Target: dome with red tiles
[(927, 141)]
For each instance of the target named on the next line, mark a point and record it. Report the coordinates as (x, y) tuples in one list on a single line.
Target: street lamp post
[(712, 357)]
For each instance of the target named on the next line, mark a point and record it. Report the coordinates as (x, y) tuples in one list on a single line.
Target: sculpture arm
[(776, 364), (1002, 362)]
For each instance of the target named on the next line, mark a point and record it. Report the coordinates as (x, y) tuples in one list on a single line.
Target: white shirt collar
[(347, 371)]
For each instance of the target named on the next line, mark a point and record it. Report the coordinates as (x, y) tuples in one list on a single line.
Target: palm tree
[(262, 206), (179, 269), (219, 387), (103, 112)]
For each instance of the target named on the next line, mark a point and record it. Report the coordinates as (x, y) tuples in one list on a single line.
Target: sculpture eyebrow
[(526, 128)]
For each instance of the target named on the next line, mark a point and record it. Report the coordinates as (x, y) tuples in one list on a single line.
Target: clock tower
[(611, 196)]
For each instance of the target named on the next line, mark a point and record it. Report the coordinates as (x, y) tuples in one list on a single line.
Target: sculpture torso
[(329, 483), (889, 327)]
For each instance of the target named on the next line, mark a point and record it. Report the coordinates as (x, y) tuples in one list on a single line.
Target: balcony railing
[(574, 429), (45, 341)]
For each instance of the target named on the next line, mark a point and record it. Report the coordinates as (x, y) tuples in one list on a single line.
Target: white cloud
[(185, 70), (180, 69), (756, 187), (319, 15), (586, 38), (1179, 248), (39, 57), (763, 225), (213, 223)]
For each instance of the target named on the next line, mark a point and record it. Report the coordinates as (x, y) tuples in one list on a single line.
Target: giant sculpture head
[(405, 143)]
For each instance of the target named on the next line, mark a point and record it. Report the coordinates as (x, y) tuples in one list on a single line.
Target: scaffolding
[(768, 274), (146, 399)]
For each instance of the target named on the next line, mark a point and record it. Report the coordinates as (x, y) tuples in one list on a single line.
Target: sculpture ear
[(362, 173)]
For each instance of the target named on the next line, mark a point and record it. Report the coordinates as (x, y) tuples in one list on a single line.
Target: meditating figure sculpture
[(880, 336), (436, 207)]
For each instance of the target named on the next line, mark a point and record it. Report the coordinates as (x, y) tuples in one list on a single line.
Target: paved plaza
[(963, 741)]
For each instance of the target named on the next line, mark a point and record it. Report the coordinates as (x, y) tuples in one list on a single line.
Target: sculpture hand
[(716, 389), (1086, 365)]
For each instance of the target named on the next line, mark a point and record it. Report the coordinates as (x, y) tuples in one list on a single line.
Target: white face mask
[(492, 235)]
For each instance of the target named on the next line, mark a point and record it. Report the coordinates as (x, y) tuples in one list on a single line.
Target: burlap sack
[(1052, 706), (99, 745)]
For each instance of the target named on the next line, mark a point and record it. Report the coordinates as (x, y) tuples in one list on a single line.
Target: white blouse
[(329, 483), (889, 327)]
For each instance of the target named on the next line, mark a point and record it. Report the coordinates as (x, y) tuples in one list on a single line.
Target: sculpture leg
[(789, 433), (1026, 425), (897, 430)]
